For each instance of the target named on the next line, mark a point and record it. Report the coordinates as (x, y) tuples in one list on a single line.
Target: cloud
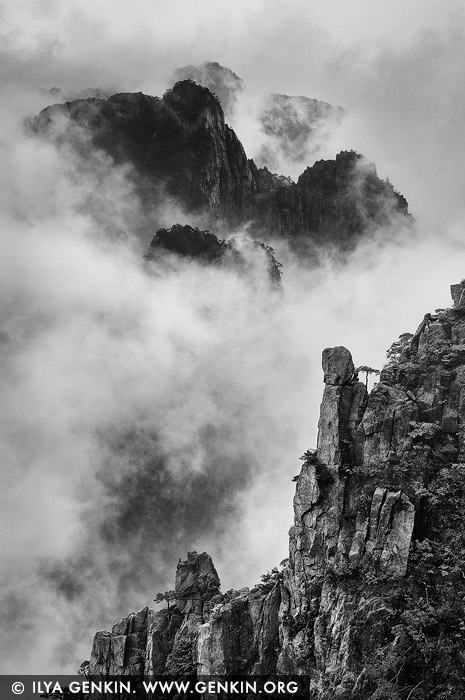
[(405, 112), (150, 411), (136, 398)]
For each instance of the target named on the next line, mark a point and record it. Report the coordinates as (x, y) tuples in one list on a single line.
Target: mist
[(150, 410)]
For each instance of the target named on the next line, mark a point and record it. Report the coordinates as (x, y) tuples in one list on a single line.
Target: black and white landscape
[(196, 202)]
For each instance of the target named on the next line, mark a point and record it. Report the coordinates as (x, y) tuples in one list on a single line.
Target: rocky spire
[(163, 641)]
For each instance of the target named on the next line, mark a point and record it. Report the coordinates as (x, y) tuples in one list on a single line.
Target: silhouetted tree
[(169, 596), (367, 370)]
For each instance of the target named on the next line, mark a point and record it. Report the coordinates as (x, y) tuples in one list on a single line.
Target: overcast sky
[(398, 69)]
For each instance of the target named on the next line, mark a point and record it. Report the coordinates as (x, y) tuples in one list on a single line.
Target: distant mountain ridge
[(180, 146)]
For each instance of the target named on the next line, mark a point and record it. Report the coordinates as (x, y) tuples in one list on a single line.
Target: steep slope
[(179, 146), (371, 603)]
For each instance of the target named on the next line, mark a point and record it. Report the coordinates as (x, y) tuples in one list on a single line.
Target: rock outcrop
[(163, 641), (203, 632), (180, 147), (371, 603), (242, 254)]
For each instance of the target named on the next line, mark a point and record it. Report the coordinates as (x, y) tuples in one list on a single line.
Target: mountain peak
[(220, 80), (189, 99)]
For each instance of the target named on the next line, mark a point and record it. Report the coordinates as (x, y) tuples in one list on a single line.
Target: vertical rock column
[(319, 504), (319, 499), (334, 437)]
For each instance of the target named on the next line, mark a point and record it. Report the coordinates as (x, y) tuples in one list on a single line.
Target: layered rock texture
[(371, 603), (180, 148)]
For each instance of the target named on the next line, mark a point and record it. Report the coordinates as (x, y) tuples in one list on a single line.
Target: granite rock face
[(371, 603), (122, 651), (241, 635)]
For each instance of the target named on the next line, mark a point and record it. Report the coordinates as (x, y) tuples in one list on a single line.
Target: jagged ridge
[(180, 146)]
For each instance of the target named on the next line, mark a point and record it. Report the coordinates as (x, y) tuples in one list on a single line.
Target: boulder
[(338, 366)]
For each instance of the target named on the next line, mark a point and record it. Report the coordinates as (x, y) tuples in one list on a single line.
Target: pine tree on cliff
[(169, 596)]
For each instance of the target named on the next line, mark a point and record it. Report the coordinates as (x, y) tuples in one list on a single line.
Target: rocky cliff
[(371, 603), (181, 147)]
